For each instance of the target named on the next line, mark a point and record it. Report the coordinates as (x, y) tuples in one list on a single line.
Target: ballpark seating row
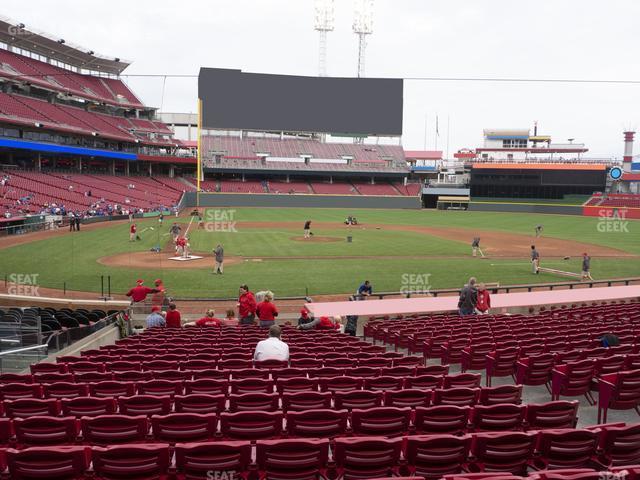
[(107, 90), (235, 147), (53, 188), (240, 421), (628, 200), (425, 456)]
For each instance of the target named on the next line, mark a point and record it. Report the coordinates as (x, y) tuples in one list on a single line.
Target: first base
[(185, 259)]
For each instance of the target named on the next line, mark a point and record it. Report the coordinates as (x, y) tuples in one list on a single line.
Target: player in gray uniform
[(475, 246), (586, 266), (539, 229), (535, 260)]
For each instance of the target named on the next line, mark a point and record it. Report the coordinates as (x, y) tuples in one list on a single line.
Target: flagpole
[(435, 143), (447, 157)]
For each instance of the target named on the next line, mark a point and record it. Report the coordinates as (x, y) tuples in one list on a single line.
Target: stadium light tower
[(362, 26), (324, 23)]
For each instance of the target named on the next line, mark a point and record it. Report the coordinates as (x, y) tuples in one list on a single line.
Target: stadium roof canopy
[(17, 35)]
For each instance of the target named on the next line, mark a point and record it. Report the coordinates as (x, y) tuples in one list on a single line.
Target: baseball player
[(539, 229), (535, 260), (132, 232), (475, 246), (307, 229), (586, 266)]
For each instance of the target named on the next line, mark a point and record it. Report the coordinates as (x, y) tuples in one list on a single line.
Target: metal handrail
[(24, 349), (435, 293)]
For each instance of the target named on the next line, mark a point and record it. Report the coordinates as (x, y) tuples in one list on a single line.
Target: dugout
[(453, 203)]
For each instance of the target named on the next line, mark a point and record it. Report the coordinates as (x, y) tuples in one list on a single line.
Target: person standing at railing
[(139, 292)]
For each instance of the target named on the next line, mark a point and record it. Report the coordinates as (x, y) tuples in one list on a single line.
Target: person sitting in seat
[(155, 319), (230, 320), (209, 320), (272, 348)]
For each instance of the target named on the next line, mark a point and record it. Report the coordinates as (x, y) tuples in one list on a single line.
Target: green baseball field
[(397, 250)]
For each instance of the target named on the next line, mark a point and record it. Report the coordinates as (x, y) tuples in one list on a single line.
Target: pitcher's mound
[(318, 239)]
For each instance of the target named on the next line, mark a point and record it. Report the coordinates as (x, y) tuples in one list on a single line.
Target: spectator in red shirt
[(230, 320), (139, 292), (173, 319), (246, 306), (209, 320), (267, 311), (483, 304)]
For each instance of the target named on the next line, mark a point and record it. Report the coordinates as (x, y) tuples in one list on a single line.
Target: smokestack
[(628, 150)]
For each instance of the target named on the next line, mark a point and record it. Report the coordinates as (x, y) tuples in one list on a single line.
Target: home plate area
[(185, 259)]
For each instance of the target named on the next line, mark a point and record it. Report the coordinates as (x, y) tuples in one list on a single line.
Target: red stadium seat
[(38, 430), (501, 363), (385, 421), (552, 415), (502, 452), (441, 419), (500, 417), (565, 449), (292, 459), (29, 407), (131, 461), (112, 429), (465, 380), (268, 402), (366, 457), (251, 385), (12, 391), (197, 460), (65, 390), (184, 427), (251, 425), (342, 383), (431, 456), (297, 384), (200, 403), (383, 383), (160, 387), (456, 396), (535, 370), (361, 399), (88, 406), (424, 382), (301, 401), (40, 462), (209, 386), (411, 397), (619, 446), (501, 394), (317, 423), (112, 389), (573, 379), (145, 405), (618, 391)]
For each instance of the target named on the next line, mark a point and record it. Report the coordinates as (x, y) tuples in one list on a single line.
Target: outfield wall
[(526, 208), (299, 201)]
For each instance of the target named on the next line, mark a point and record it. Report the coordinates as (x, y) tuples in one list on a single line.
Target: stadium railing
[(35, 346)]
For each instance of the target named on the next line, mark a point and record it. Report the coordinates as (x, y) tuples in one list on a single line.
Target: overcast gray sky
[(585, 39)]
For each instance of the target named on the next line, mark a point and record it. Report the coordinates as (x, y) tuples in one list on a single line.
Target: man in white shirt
[(272, 348)]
